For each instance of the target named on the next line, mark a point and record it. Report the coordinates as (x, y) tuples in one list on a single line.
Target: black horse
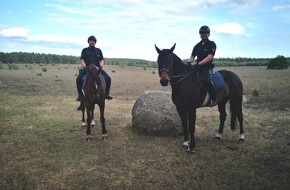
[(188, 94), (93, 93)]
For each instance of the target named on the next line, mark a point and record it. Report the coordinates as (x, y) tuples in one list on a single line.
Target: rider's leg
[(79, 83), (108, 84), (210, 87)]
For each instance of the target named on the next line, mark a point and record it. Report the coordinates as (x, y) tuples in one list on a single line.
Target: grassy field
[(42, 145)]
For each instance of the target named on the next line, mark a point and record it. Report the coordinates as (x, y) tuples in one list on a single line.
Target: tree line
[(41, 58)]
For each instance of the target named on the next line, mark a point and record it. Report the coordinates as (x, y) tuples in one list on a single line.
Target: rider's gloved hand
[(196, 66)]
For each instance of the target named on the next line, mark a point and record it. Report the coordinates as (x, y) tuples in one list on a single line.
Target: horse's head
[(94, 70), (165, 63)]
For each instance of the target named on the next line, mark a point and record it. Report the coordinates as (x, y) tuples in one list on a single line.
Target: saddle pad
[(218, 80)]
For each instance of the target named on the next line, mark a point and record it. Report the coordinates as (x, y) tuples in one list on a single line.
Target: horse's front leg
[(89, 119), (183, 115), (191, 126), (83, 113), (102, 119)]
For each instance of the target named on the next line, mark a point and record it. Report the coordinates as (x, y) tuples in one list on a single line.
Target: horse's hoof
[(241, 140), (83, 125), (104, 136), (218, 136), (189, 151), (185, 145), (93, 124), (89, 138)]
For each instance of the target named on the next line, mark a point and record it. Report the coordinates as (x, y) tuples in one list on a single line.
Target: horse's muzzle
[(164, 82)]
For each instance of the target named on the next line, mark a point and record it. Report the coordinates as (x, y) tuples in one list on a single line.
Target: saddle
[(216, 78)]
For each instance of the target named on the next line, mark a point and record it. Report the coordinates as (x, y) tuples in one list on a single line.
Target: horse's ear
[(157, 49), (172, 49)]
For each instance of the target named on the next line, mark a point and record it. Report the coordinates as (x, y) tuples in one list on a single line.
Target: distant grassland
[(42, 144)]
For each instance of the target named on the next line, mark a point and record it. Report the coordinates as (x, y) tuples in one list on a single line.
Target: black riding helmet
[(204, 30), (92, 38)]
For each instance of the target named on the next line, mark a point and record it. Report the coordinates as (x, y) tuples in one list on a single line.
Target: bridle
[(175, 78), (164, 70), (179, 78)]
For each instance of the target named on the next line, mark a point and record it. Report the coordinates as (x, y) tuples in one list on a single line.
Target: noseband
[(164, 70)]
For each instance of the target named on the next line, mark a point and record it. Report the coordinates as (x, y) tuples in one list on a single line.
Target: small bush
[(58, 80), (153, 72), (38, 74), (30, 67), (44, 69), (113, 71), (255, 92), (13, 67)]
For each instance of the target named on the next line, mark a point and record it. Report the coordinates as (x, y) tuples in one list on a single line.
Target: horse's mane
[(178, 63)]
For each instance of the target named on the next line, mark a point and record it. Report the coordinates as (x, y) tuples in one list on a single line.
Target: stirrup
[(212, 103), (109, 97)]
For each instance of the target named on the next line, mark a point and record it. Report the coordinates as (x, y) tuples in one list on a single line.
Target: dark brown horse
[(188, 94), (94, 93)]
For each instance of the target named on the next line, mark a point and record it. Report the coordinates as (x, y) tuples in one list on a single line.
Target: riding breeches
[(208, 83)]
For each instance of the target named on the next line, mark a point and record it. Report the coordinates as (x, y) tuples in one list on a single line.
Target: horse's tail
[(235, 87)]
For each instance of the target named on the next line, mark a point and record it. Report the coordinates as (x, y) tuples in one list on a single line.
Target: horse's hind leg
[(93, 124), (241, 119), (223, 116), (191, 129), (83, 118), (236, 112)]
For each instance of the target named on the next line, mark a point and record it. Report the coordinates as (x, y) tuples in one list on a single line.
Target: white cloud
[(229, 28), (281, 7), (14, 32)]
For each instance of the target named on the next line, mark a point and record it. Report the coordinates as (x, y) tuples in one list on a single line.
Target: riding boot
[(79, 83), (211, 90), (109, 97), (108, 86), (80, 95)]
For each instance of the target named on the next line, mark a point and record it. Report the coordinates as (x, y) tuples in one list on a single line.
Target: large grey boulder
[(155, 114)]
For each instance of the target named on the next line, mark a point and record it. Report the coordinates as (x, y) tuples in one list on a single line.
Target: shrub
[(44, 69), (13, 67), (255, 92), (30, 67), (280, 62)]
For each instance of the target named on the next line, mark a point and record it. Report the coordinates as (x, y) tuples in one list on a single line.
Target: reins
[(182, 77)]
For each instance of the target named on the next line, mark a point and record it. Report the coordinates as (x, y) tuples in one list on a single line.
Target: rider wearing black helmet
[(205, 51), (92, 55)]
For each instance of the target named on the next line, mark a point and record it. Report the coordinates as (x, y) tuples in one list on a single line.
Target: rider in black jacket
[(92, 55), (205, 51)]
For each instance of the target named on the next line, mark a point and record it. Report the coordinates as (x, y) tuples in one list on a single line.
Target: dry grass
[(43, 147)]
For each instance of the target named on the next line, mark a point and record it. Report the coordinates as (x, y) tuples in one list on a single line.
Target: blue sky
[(130, 28)]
